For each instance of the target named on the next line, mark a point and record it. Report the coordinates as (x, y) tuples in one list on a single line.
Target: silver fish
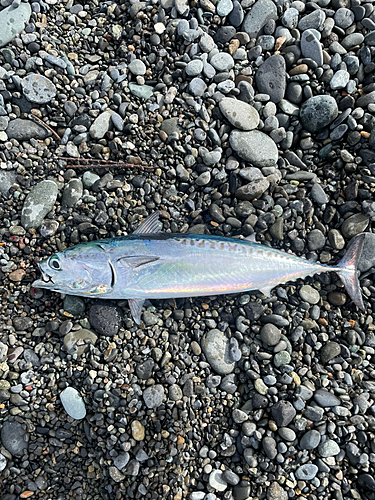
[(152, 265)]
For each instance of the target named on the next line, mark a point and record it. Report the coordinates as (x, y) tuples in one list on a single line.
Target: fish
[(150, 264)]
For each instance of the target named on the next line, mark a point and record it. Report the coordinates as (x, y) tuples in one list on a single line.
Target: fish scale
[(153, 265)]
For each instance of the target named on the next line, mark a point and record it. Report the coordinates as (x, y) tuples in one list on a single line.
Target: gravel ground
[(256, 117)]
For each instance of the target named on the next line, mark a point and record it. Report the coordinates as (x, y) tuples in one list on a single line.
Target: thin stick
[(99, 163), (87, 160), (46, 126), (111, 165)]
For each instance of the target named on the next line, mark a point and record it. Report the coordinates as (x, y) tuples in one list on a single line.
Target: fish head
[(81, 270)]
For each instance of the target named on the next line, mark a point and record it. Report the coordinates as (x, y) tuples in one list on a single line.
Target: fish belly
[(199, 266)]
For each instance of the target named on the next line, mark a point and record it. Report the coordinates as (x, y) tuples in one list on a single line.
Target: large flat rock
[(13, 21)]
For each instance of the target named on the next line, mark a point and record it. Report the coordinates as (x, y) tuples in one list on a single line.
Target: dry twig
[(46, 126), (98, 163)]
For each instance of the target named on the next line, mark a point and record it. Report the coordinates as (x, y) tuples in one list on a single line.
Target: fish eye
[(55, 263)]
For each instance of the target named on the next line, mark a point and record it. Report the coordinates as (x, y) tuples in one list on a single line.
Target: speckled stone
[(255, 147), (37, 88), (38, 203), (259, 14), (318, 112), (240, 114)]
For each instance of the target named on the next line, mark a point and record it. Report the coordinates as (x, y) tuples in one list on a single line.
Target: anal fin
[(136, 309)]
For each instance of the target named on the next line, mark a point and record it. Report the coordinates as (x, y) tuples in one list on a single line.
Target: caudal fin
[(347, 270)]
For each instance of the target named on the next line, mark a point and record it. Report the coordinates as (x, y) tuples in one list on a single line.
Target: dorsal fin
[(149, 225)]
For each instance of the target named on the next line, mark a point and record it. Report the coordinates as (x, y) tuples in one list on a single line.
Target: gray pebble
[(326, 399), (73, 403), (306, 472), (153, 396)]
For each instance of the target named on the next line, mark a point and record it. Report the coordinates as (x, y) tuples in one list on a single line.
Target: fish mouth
[(45, 282)]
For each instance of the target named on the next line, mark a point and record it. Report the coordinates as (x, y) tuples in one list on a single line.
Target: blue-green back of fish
[(155, 265)]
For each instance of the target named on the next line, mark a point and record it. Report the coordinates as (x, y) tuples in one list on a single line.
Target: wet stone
[(339, 80), (283, 413), (326, 399), (353, 225), (73, 403), (309, 294), (23, 130), (310, 440), (318, 112), (74, 305), (270, 334), (329, 351), (38, 203), (216, 347), (153, 396), (311, 47), (271, 78), (260, 13), (306, 472), (144, 370), (105, 320), (72, 192), (328, 449), (242, 490), (77, 342), (13, 438)]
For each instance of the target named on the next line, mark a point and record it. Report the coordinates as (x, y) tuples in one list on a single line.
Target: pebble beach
[(230, 118)]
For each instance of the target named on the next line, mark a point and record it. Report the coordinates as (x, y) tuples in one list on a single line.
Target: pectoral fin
[(136, 309), (149, 225), (136, 261)]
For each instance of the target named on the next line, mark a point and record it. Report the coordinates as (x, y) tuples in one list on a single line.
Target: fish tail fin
[(347, 270)]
